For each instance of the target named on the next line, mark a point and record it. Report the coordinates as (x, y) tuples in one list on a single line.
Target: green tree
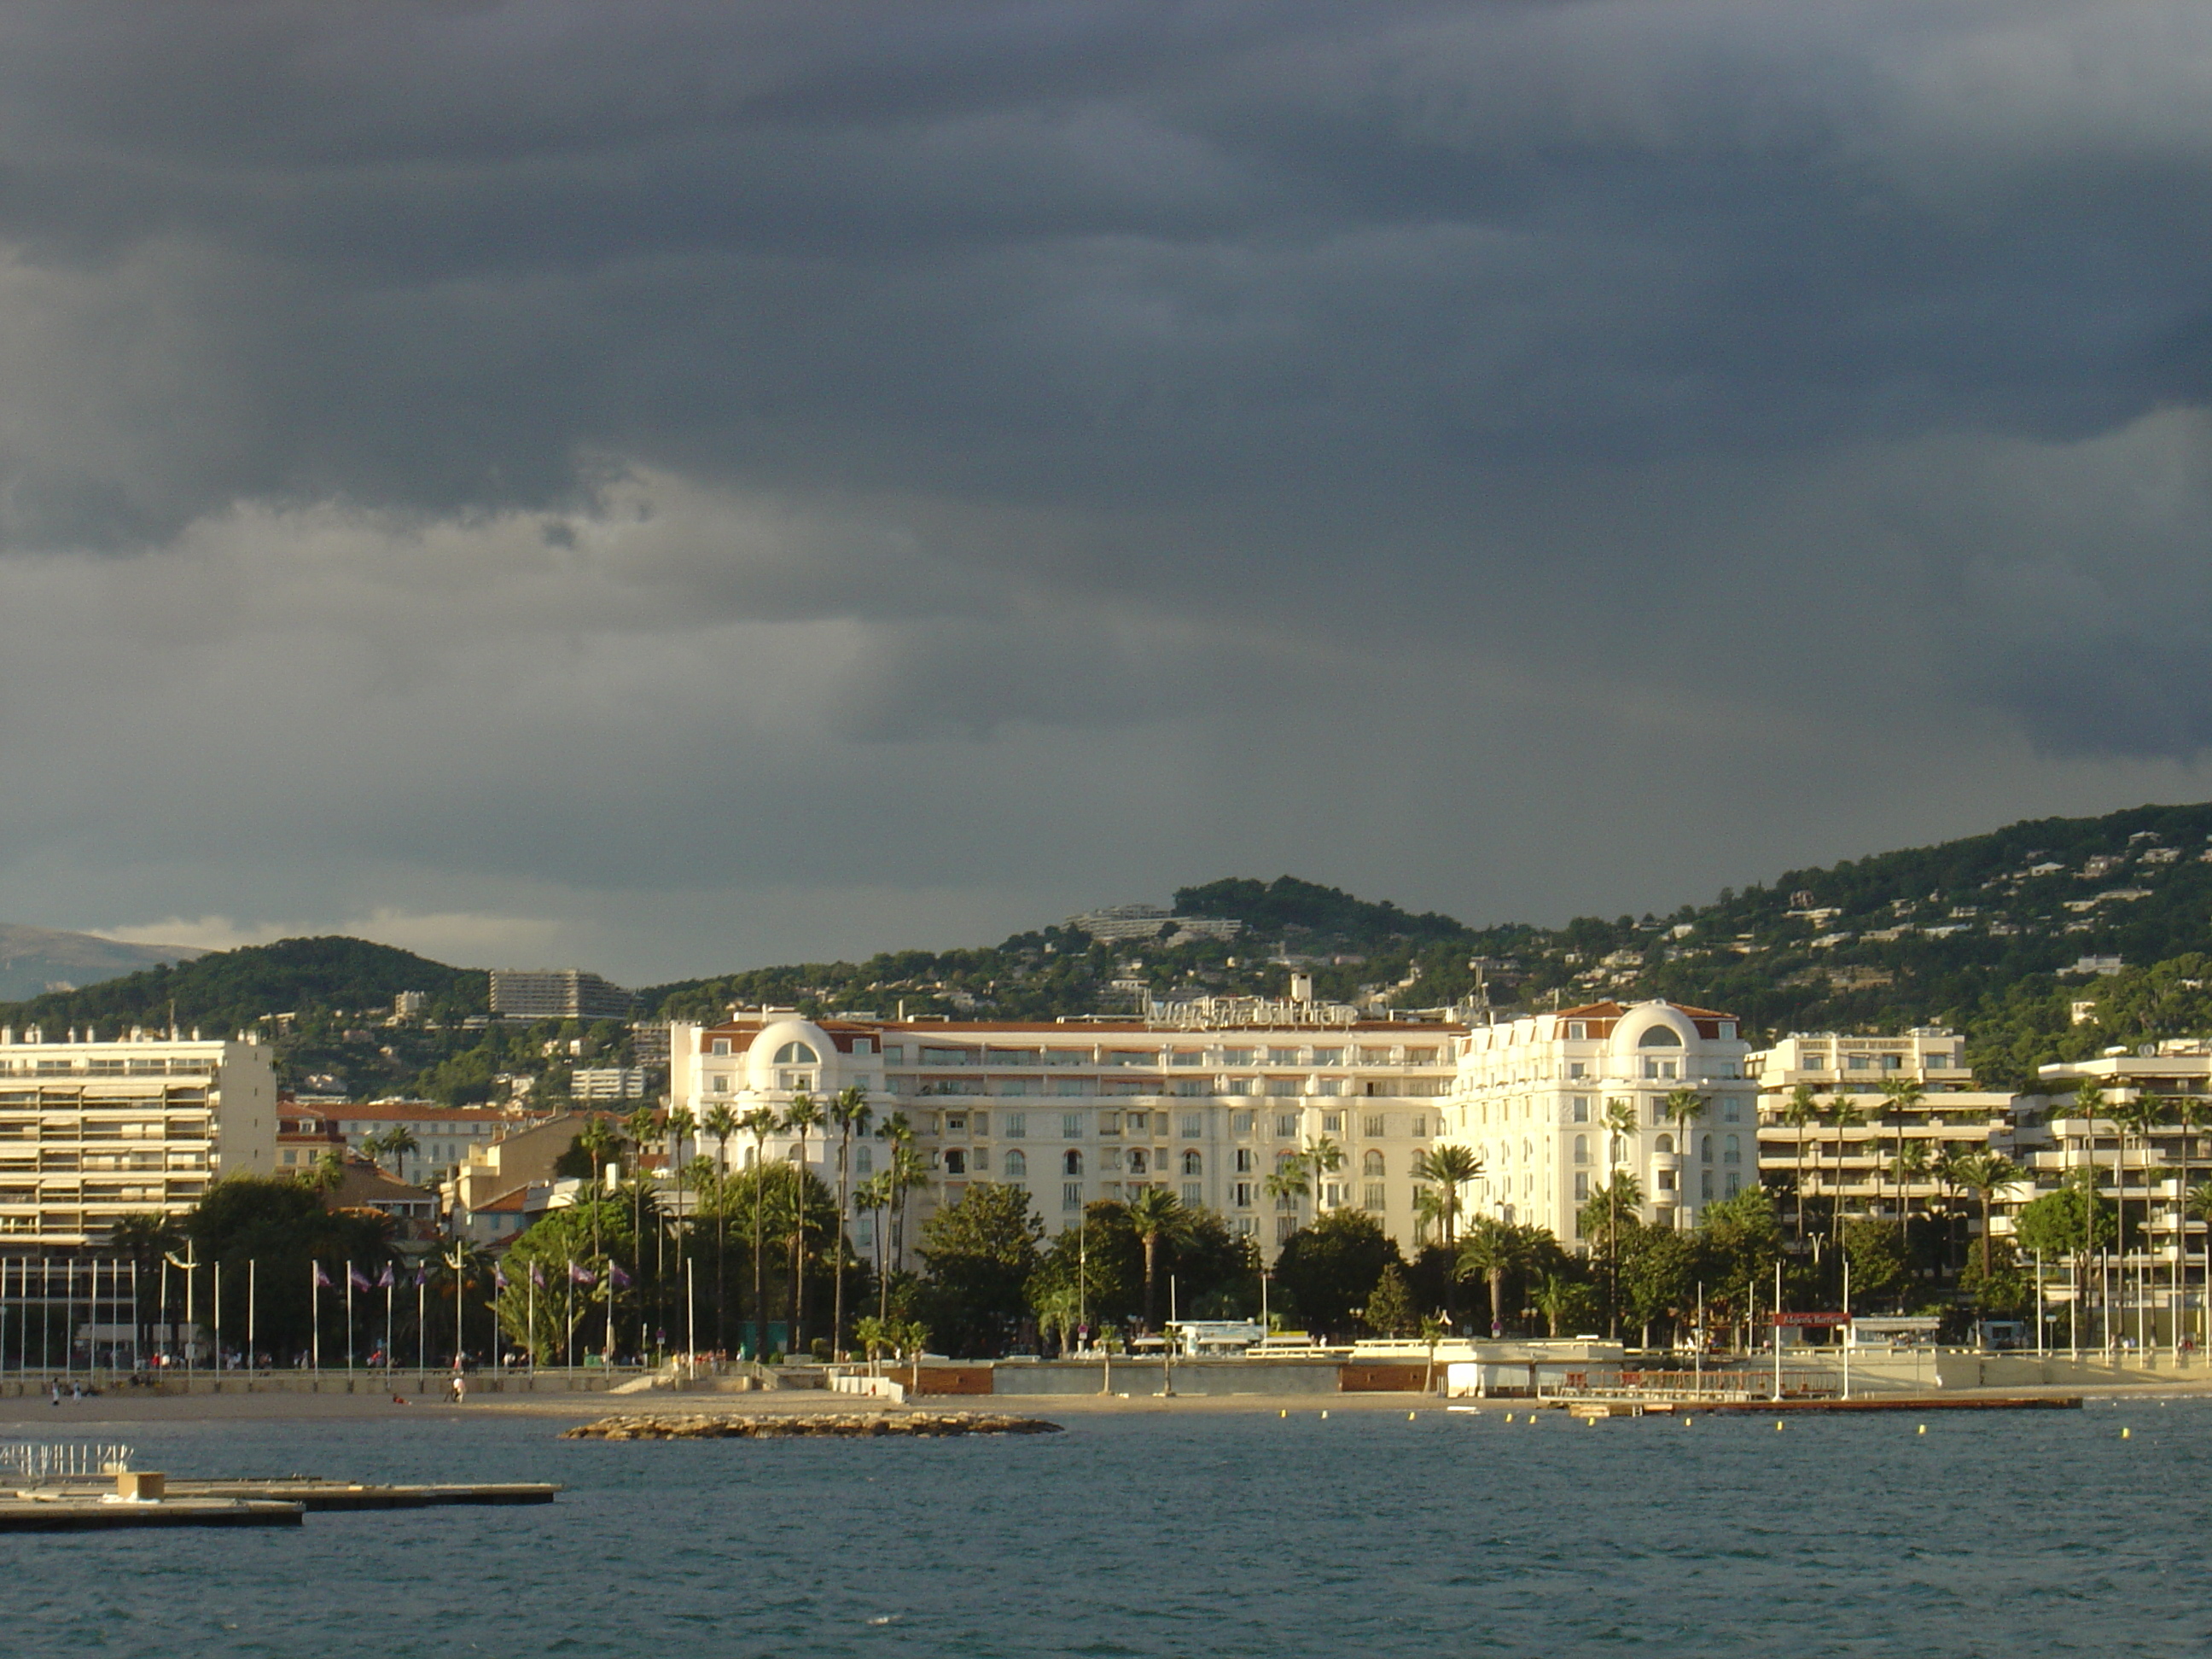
[(800, 1118), (1995, 1282), (1658, 1275), (1875, 1250), (1389, 1311), (1607, 1217), (981, 1253), (1802, 1113), (1156, 1214), (1565, 1302), (1984, 1175), (760, 1123), (591, 1236), (1620, 1130), (850, 1114), (1901, 1098), (1491, 1251), (721, 1121), (1330, 1268), (1844, 1113), (285, 1227), (2070, 1223), (1447, 1167)]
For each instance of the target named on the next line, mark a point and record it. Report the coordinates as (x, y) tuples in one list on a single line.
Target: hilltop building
[(91, 1132), (519, 994)]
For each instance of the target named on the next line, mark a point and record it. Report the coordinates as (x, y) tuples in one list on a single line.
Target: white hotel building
[(1082, 1110), (1531, 1099)]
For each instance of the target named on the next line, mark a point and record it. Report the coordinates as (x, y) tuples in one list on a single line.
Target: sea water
[(1207, 1534)]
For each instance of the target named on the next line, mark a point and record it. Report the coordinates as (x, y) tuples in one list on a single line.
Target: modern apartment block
[(90, 1131), (1075, 1111), (527, 994), (1532, 1098), (596, 1083), (1865, 1152)]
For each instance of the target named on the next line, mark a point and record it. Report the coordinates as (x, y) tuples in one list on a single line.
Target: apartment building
[(2148, 1166), (1865, 1152), (91, 1131), (443, 1134), (596, 1083), (1206, 1101), (1531, 1096), (530, 994)]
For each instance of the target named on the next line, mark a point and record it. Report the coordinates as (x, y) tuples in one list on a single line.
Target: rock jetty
[(776, 1426)]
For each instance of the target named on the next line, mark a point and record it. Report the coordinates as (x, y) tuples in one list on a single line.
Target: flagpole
[(315, 1312), (422, 1323), (252, 1311), (391, 1348), (349, 1272), (217, 1294)]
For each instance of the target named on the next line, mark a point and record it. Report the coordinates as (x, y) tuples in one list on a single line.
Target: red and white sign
[(1811, 1319)]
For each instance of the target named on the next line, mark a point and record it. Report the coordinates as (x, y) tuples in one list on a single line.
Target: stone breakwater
[(847, 1425)]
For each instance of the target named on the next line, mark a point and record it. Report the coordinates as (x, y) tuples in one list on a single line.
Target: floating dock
[(314, 1493), (101, 1514), (1937, 1402)]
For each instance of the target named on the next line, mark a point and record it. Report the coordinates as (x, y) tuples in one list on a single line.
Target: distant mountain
[(34, 959)]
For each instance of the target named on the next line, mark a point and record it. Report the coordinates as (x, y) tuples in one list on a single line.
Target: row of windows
[(1732, 1184), (1731, 1148)]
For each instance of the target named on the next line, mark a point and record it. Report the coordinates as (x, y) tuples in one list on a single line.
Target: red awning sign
[(1811, 1319)]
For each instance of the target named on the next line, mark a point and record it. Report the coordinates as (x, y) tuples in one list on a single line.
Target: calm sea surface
[(2033, 1534)]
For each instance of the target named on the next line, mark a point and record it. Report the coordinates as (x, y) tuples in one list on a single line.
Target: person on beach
[(460, 1389), (57, 1400)]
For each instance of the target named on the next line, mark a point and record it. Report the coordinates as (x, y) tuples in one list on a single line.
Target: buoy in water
[(2124, 1433), (1285, 1411), (1922, 1428), (1509, 1417), (1324, 1417), (1777, 1425), (1409, 1417)]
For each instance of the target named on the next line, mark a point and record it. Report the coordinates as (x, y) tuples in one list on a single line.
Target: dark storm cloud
[(991, 407)]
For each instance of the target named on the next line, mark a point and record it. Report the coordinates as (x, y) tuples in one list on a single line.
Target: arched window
[(1660, 1036), (1371, 1162), (1193, 1164), (1582, 1149), (1018, 1165), (1070, 1162), (1732, 1150), (1705, 1149), (1664, 1144), (797, 1054), (1136, 1160)]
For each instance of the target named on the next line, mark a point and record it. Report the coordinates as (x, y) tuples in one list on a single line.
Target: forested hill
[(1999, 935), (225, 991)]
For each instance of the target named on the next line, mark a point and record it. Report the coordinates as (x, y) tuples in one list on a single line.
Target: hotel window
[(864, 1229), (1577, 1032), (1244, 1160), (1664, 1144), (1332, 1123), (1192, 1088), (1194, 1125), (1582, 1185), (722, 1046), (1071, 1125), (1070, 1162), (1193, 1195), (797, 1054), (1705, 1149), (1240, 1123), (1071, 1196), (1370, 1196), (1283, 1085), (1373, 1129), (1330, 1085), (956, 1122), (1576, 1070), (1136, 1123), (1735, 1185), (1421, 1129), (1705, 1186), (864, 1160), (718, 1083), (1243, 1192), (1073, 1085), (894, 1053), (1284, 1226), (1333, 1195), (1578, 1111), (1016, 1125), (983, 1160), (1236, 1057), (1731, 1109), (1188, 1057), (1192, 1163), (1328, 1057), (982, 1123), (862, 1046), (1582, 1149), (955, 1162), (1371, 1163), (1018, 1165), (1732, 1150), (1287, 1124), (1666, 1181), (1282, 1057), (1137, 1164)]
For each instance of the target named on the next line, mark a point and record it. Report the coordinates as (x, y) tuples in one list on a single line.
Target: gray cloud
[(631, 468)]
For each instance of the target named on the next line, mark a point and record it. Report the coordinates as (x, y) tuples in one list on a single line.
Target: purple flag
[(499, 1278), (356, 1278), (322, 1279), (580, 1275), (538, 1275), (384, 1281), (615, 1273)]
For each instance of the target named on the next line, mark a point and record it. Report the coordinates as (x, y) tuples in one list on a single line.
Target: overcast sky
[(667, 488)]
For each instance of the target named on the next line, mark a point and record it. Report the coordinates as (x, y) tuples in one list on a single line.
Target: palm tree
[(1800, 1113), (641, 1127), (873, 1334), (874, 1195), (598, 1142), (2197, 1206), (909, 1173), (760, 1123), (1450, 1167), (1324, 1158), (1288, 1182), (722, 1122), (1620, 1126), (2089, 1103), (2140, 1115), (1155, 1213), (1683, 1107), (327, 1173), (1492, 1248), (399, 1142), (848, 1115), (802, 1115), (1985, 1174), (1900, 1097), (1433, 1331), (2190, 1112), (1844, 1113), (897, 1134)]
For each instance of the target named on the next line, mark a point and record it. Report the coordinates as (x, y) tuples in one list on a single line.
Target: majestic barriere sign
[(1811, 1319)]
